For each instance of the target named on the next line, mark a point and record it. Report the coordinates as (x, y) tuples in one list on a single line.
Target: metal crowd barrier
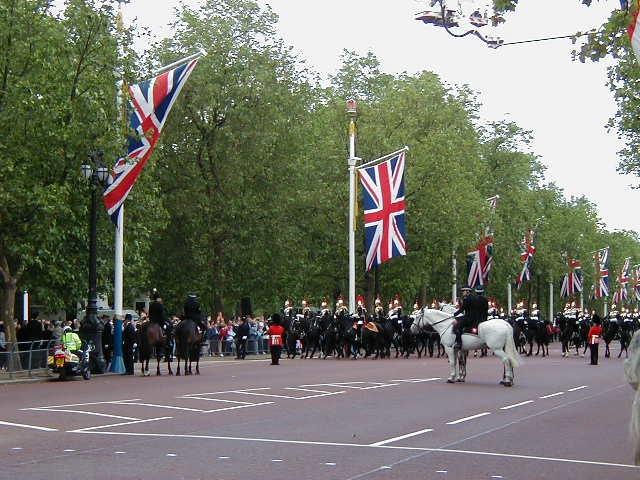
[(25, 357)]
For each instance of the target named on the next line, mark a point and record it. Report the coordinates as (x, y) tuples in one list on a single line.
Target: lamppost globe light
[(87, 171), (103, 173)]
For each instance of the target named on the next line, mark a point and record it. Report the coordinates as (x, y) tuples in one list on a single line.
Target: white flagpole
[(509, 301), (454, 278), (551, 301), (352, 112)]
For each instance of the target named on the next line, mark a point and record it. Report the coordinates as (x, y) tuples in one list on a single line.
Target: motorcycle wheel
[(86, 374)]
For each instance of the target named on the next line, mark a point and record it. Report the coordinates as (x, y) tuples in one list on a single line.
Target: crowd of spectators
[(222, 337)]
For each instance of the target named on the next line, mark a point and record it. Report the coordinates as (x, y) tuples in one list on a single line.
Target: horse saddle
[(372, 327), (471, 330)]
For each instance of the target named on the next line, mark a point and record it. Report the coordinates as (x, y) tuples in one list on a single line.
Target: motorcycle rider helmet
[(66, 329)]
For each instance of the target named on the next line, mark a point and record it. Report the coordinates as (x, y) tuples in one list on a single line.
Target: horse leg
[(507, 377), (178, 369), (198, 365), (157, 365), (169, 365), (462, 365)]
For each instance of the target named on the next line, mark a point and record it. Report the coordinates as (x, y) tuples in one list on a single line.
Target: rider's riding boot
[(458, 343)]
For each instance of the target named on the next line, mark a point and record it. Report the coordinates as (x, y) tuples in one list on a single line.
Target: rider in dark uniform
[(157, 312), (475, 310)]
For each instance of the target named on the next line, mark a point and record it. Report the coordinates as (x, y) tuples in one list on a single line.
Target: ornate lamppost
[(91, 328)]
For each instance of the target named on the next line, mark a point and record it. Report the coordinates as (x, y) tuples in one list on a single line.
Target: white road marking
[(16, 448), (223, 458), (307, 390), (236, 407), (216, 400), (385, 467), (553, 395), (354, 385), (88, 429), (35, 427), (331, 464), (269, 395), (441, 471), (401, 437), (81, 411), (277, 460), (171, 455), (508, 407), (195, 395), (417, 380), (466, 419), (496, 476), (69, 450), (119, 453), (153, 405), (356, 445), (577, 388), (84, 404)]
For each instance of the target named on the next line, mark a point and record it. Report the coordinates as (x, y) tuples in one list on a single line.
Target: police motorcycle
[(64, 363)]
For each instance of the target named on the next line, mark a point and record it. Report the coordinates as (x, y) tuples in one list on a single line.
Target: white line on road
[(216, 400), (34, 427), (401, 437), (417, 380), (83, 430), (356, 445), (171, 407), (577, 388), (277, 460), (509, 407), (84, 404), (553, 395), (466, 419), (81, 411), (16, 448), (237, 407), (69, 450), (331, 464)]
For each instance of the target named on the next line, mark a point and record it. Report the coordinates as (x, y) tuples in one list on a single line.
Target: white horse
[(495, 334), (632, 372)]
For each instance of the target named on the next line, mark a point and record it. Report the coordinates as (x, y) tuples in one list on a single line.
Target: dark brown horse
[(188, 342), (152, 342)]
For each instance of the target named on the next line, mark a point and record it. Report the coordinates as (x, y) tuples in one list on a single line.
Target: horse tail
[(511, 351)]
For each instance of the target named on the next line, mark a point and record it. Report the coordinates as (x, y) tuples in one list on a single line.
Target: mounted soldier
[(158, 312), (474, 308)]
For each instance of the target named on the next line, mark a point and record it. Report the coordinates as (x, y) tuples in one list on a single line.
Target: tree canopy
[(246, 194)]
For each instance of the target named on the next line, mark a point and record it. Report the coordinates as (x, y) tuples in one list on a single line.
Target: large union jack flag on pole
[(621, 295), (151, 102), (526, 258), (572, 282), (601, 286), (636, 281), (479, 263), (384, 210)]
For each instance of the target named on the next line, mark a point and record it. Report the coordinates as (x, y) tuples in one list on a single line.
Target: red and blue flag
[(526, 258), (572, 283), (384, 210), (601, 287), (150, 103)]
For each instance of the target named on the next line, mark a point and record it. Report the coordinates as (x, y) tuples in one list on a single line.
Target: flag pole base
[(117, 364)]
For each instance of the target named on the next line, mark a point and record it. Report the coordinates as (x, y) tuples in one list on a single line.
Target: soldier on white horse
[(495, 334)]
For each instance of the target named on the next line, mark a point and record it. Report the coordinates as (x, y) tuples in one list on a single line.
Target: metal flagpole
[(386, 157), (25, 306), (582, 301), (117, 361), (454, 278), (352, 112), (551, 301), (509, 303)]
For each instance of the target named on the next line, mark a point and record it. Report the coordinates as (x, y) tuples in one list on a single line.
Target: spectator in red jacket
[(595, 332)]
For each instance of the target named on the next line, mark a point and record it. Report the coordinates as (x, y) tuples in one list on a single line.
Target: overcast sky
[(565, 104)]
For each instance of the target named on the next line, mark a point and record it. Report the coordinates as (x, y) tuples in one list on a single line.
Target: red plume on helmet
[(396, 300), (360, 301)]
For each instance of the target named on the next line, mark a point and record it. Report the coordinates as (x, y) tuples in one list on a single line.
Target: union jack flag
[(384, 210), (636, 281), (622, 295), (572, 282), (150, 103), (526, 258), (479, 263), (601, 287)]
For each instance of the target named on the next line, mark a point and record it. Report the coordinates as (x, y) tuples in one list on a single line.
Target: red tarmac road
[(325, 419)]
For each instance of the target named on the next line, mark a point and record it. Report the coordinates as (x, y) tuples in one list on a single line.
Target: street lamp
[(91, 328)]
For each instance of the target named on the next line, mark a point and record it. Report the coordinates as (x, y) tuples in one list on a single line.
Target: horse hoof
[(507, 384), (450, 380), (460, 380)]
